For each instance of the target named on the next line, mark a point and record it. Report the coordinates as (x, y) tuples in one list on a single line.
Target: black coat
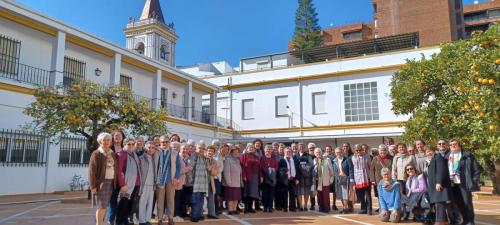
[(304, 169), (437, 173), (469, 171)]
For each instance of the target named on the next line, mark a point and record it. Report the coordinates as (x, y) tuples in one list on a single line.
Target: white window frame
[(243, 116), (276, 110), (356, 110), (314, 108)]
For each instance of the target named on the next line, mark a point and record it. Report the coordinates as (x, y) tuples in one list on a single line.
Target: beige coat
[(399, 163), (326, 178)]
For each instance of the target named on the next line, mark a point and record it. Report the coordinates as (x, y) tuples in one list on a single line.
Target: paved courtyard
[(56, 213)]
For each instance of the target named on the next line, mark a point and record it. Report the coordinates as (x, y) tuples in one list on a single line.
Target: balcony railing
[(138, 99), (176, 111), (202, 117), (73, 151), (23, 73)]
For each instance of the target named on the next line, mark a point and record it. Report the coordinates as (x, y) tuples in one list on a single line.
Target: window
[(458, 18), (318, 100), (163, 97), (74, 70), (352, 35), (281, 106), (361, 102), (247, 109), (73, 151), (262, 64), (9, 55), (494, 13), (458, 4), (140, 48), (164, 52), (374, 8), (126, 81)]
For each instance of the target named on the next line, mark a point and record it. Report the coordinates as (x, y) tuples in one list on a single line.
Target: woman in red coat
[(250, 165), (268, 168)]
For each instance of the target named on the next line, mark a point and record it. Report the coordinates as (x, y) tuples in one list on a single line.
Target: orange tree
[(455, 94), (88, 109)]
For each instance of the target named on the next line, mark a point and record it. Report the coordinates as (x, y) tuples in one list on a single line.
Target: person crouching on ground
[(389, 198)]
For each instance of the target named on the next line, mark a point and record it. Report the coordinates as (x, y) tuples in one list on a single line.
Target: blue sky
[(209, 30)]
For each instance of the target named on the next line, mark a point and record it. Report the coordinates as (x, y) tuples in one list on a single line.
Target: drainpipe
[(301, 108)]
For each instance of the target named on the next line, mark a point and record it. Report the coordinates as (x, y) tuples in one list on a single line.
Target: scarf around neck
[(360, 163), (132, 172)]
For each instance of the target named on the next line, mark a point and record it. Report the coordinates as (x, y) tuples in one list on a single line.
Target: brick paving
[(56, 213)]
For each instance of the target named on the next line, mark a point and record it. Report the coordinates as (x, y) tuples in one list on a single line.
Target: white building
[(328, 102), (208, 69), (37, 50)]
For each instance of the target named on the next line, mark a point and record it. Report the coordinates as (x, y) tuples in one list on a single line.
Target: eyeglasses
[(441, 143), (453, 144), (130, 144), (164, 142), (409, 169)]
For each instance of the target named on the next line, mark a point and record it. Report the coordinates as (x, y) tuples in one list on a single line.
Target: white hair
[(174, 144), (311, 145), (382, 147), (318, 150), (216, 142), (191, 142), (201, 143), (102, 136)]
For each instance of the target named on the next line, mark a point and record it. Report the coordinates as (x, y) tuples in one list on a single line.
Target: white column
[(57, 65), (116, 67), (213, 108), (189, 101), (52, 178), (157, 90)]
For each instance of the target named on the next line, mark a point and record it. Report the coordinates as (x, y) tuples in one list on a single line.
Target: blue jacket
[(389, 200), (165, 167)]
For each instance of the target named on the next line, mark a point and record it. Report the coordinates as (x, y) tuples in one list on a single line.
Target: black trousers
[(440, 209), (125, 207), (179, 207), (267, 196), (463, 201), (292, 196), (365, 197), (281, 198)]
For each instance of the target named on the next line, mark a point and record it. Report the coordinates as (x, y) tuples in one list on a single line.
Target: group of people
[(170, 179)]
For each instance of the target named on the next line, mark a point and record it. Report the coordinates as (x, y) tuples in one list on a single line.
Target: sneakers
[(178, 219)]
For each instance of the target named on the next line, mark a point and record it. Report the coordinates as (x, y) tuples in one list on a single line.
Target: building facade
[(331, 102), (37, 51), (479, 16)]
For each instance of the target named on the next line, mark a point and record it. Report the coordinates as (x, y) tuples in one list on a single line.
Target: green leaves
[(87, 108), (307, 32), (454, 94)]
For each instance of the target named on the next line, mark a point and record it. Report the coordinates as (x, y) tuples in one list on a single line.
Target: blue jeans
[(197, 201), (113, 206)]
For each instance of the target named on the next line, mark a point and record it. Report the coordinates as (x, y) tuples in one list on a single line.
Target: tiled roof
[(152, 10)]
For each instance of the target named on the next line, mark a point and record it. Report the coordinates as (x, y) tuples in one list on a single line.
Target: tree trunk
[(92, 144), (496, 178)]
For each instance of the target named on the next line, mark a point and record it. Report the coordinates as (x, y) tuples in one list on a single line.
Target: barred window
[(73, 151), (361, 102), (74, 70), (20, 147), (164, 52), (352, 35), (9, 55), (126, 81)]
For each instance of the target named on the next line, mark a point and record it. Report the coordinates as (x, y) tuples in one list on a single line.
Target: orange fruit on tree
[(493, 127), (475, 88), (497, 61), (466, 106), (484, 81), (491, 81), (477, 107), (481, 114), (485, 44), (480, 80)]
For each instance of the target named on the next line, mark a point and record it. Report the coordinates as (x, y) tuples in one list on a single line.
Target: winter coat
[(304, 169), (468, 170), (437, 173)]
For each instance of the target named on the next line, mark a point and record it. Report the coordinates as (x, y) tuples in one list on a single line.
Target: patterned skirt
[(104, 194)]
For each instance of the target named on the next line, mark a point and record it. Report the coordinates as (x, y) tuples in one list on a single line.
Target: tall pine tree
[(307, 31)]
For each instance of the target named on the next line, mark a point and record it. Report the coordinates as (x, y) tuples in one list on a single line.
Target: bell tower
[(151, 36)]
